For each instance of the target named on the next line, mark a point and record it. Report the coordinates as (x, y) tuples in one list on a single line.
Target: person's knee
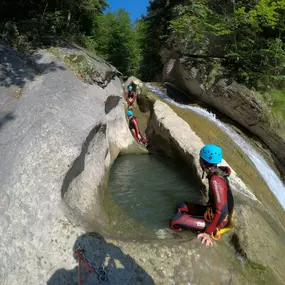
[(182, 207), (175, 222)]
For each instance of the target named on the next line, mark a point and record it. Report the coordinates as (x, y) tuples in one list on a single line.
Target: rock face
[(57, 141), (93, 69), (201, 80)]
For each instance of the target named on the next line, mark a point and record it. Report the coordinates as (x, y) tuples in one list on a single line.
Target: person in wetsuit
[(134, 128), (130, 97), (217, 214)]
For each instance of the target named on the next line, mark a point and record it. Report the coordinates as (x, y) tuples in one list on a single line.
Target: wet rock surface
[(54, 139)]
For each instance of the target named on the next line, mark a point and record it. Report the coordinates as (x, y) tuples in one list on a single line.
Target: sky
[(135, 7)]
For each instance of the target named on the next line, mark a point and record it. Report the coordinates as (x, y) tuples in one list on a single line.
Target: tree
[(154, 29), (247, 35), (116, 40), (42, 17)]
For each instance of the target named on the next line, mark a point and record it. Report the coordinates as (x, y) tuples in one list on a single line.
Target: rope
[(102, 274), (79, 271)]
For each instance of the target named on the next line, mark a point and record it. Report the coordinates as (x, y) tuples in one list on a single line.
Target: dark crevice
[(111, 103), (78, 164), (202, 55), (106, 153), (235, 242)]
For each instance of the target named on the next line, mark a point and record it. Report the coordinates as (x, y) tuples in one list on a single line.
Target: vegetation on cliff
[(247, 37), (30, 24)]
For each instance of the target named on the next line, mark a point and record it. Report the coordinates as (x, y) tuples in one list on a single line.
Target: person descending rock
[(130, 97), (215, 218), (134, 127)]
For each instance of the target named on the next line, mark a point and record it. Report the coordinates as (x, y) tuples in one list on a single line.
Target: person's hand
[(205, 238)]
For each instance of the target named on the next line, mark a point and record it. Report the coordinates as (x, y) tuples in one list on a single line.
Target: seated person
[(130, 97), (212, 219), (134, 128)]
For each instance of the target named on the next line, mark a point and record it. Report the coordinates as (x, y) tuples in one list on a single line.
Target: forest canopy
[(248, 36)]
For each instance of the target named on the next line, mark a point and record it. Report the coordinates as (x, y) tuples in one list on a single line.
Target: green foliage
[(36, 20), (249, 36), (255, 55), (277, 104), (194, 25), (116, 40), (154, 31)]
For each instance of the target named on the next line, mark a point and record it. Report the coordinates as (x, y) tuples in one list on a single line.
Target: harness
[(131, 123), (216, 234), (209, 215), (131, 95)]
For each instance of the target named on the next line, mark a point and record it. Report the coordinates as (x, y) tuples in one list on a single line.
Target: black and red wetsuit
[(130, 98), (134, 127), (220, 206)]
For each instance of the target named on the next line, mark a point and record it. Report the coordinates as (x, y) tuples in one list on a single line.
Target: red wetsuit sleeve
[(218, 188), (136, 125), (127, 96)]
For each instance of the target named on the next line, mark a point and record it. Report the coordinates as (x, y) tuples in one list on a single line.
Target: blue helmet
[(129, 113), (211, 153), (130, 88)]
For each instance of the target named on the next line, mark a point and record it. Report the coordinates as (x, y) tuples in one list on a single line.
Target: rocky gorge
[(204, 80), (59, 138)]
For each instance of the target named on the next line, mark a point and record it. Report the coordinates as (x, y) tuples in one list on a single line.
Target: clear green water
[(148, 187)]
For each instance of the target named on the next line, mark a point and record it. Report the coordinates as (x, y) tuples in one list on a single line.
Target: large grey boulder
[(57, 142), (90, 67)]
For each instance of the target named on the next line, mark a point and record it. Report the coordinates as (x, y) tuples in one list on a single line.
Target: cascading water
[(271, 179)]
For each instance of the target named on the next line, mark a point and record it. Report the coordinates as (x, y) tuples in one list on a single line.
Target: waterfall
[(271, 179)]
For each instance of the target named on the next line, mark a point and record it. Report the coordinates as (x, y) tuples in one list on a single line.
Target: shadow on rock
[(111, 103), (178, 95), (16, 68), (5, 119), (120, 268)]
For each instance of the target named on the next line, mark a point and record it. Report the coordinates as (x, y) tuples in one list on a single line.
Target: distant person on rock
[(134, 128), (215, 218), (130, 97)]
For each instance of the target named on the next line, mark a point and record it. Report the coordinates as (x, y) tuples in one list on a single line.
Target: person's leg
[(184, 221), (142, 140), (134, 134), (192, 209), (129, 102)]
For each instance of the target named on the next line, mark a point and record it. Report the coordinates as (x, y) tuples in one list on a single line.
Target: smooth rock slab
[(38, 146)]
